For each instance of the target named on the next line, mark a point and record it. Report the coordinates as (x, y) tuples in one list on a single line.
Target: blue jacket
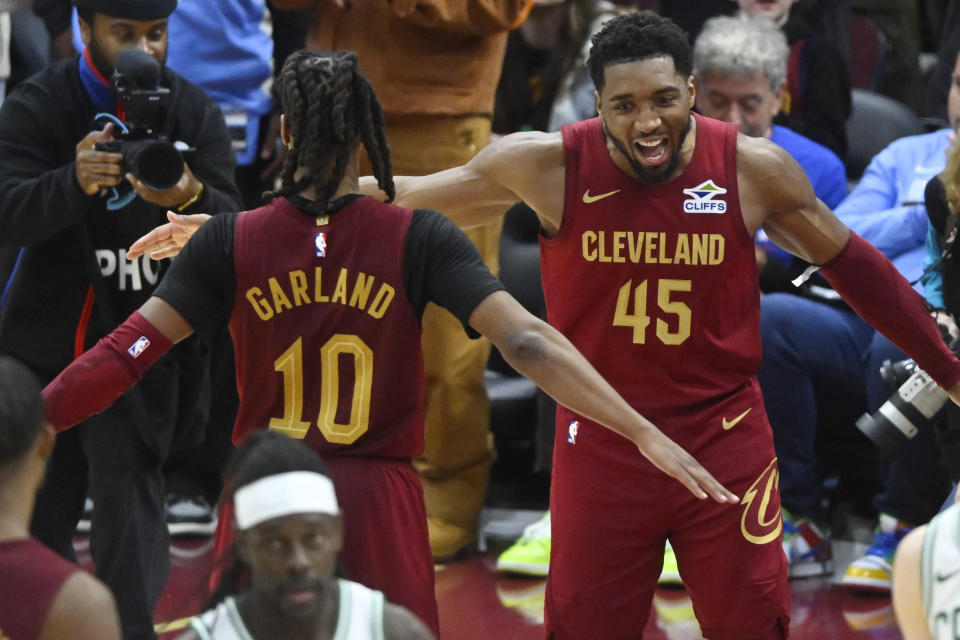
[(824, 167), (886, 207)]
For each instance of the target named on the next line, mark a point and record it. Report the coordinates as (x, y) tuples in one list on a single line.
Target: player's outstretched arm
[(907, 587), (777, 194), (524, 166), (94, 381), (168, 239), (544, 355)]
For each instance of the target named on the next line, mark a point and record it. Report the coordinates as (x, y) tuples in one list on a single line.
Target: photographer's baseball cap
[(130, 9)]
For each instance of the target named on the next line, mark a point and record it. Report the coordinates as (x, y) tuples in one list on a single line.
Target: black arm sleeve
[(201, 282), (442, 266)]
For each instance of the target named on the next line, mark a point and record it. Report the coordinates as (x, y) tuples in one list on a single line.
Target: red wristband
[(96, 379), (873, 287)]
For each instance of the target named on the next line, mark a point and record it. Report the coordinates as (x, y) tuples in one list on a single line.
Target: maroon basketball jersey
[(327, 343), (656, 285), (31, 576)]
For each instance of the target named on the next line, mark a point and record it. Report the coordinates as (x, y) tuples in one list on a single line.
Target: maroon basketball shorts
[(612, 512)]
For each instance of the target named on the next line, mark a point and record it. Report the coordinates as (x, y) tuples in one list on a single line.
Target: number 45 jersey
[(667, 273)]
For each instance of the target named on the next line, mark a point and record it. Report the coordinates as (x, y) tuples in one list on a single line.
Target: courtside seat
[(875, 122)]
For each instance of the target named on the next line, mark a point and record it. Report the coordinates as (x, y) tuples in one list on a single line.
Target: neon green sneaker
[(670, 575), (530, 555)]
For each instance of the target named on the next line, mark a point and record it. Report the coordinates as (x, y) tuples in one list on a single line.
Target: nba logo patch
[(572, 431), (321, 243), (138, 347)]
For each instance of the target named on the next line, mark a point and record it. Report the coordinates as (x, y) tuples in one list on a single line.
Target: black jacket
[(821, 109), (43, 209), (74, 246)]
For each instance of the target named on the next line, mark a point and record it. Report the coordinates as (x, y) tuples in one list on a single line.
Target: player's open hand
[(670, 458), (167, 240)]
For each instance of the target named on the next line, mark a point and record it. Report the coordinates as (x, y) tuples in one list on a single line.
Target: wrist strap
[(195, 197)]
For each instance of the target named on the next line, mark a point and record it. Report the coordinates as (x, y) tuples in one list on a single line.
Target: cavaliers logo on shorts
[(762, 520)]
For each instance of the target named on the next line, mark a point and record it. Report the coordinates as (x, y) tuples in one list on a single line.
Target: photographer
[(941, 283), (75, 209)]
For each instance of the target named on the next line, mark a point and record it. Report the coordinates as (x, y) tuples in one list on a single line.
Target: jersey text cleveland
[(653, 247)]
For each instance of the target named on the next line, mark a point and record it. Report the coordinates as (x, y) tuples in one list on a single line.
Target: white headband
[(284, 494)]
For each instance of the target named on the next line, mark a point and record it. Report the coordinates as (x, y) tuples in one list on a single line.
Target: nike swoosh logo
[(942, 577), (589, 199), (727, 425)]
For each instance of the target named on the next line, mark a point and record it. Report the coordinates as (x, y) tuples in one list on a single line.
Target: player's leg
[(385, 542), (129, 540), (61, 496), (609, 527), (732, 562)]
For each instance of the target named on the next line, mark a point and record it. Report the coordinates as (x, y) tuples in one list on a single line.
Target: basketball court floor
[(477, 603)]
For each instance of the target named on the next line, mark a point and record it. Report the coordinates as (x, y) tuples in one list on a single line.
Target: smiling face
[(645, 108), (291, 561)]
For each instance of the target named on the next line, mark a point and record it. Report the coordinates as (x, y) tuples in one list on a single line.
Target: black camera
[(915, 402), (147, 154)]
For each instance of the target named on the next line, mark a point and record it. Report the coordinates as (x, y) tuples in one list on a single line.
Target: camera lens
[(911, 408), (157, 164)]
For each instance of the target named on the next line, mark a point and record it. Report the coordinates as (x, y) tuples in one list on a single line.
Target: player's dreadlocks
[(328, 103), (638, 36)]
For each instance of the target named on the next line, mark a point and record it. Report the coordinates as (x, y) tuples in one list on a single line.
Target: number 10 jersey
[(328, 344)]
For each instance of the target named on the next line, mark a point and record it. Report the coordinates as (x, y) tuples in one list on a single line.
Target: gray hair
[(740, 45)]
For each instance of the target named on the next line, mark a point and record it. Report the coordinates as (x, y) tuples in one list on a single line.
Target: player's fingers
[(149, 240), (692, 485), (163, 249), (713, 487), (160, 254)]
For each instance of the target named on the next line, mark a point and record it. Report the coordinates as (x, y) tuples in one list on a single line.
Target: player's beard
[(642, 173)]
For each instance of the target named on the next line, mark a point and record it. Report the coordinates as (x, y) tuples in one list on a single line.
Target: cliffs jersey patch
[(703, 199)]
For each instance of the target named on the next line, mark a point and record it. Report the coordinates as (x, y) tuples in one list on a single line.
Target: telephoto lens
[(910, 408)]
